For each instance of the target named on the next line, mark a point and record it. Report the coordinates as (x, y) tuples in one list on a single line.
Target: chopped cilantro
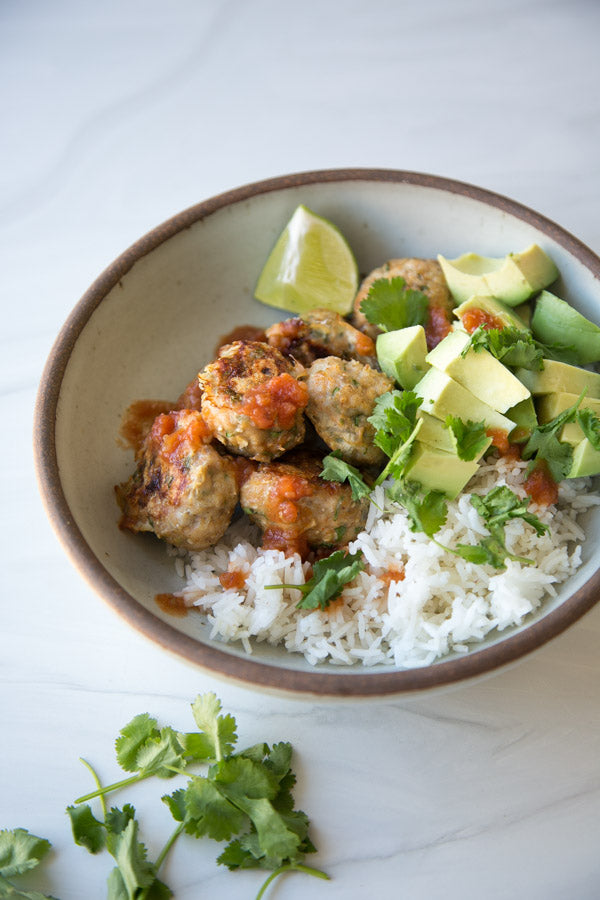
[(427, 512), (511, 346), (336, 469), (395, 419), (391, 305)]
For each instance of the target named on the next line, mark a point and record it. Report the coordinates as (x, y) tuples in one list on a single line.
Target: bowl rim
[(246, 670)]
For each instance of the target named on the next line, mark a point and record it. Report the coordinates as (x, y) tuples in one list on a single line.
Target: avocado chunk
[(586, 460), (525, 418), (478, 371), (401, 355), (437, 470), (442, 396), (559, 377), (492, 313), (556, 322), (512, 279)]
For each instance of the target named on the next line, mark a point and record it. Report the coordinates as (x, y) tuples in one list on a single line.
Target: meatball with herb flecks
[(298, 510), (183, 489), (320, 333), (341, 397), (254, 400)]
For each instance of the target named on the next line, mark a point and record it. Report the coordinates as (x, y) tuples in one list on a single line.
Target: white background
[(116, 115)]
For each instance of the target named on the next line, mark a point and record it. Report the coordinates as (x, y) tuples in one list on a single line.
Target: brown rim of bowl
[(245, 670)]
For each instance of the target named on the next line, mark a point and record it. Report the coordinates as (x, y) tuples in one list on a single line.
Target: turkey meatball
[(341, 397), (253, 400), (297, 510), (423, 275), (183, 490), (320, 333)]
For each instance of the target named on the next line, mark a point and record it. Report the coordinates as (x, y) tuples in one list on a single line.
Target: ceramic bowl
[(152, 318)]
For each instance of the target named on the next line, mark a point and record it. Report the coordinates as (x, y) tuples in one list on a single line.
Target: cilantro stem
[(291, 867), (94, 774), (161, 857), (113, 787)]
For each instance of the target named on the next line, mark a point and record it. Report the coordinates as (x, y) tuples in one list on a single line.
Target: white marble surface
[(117, 115)]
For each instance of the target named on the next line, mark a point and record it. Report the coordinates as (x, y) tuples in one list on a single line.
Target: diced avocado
[(560, 377), (525, 419), (551, 405), (401, 355), (512, 279), (434, 433), (586, 460), (495, 313), (442, 396), (478, 371), (437, 470), (556, 322)]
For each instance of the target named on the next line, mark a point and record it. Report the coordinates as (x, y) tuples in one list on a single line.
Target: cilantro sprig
[(329, 577), (471, 437), (391, 305), (20, 851), (337, 469), (243, 797), (517, 348), (544, 443), (396, 426)]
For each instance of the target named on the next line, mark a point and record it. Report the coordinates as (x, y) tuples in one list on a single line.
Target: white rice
[(442, 605)]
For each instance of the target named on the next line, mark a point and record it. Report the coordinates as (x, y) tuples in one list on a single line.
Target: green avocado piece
[(401, 355), (556, 322), (478, 371), (442, 396), (525, 418), (586, 460), (512, 279), (437, 470), (559, 377), (495, 310), (434, 433)]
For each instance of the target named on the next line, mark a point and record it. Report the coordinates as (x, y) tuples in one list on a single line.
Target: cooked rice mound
[(414, 602)]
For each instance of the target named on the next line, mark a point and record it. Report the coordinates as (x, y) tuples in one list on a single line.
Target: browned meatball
[(183, 490), (253, 400), (423, 275), (319, 333), (341, 397), (298, 510)]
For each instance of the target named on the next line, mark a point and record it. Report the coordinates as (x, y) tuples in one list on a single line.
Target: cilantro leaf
[(87, 831), (8, 890), (328, 579), (395, 419), (391, 305), (544, 443), (471, 437), (20, 851), (589, 423), (337, 469), (220, 730), (496, 508), (510, 345), (427, 512)]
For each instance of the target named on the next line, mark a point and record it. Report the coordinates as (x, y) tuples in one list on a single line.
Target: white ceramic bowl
[(151, 320)]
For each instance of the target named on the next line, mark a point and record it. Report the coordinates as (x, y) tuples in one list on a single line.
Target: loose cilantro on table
[(391, 305), (337, 469), (244, 797), (329, 576), (20, 852)]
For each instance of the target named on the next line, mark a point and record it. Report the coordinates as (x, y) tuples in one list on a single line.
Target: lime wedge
[(311, 266)]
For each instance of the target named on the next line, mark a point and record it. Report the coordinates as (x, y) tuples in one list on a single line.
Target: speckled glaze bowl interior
[(151, 321)]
